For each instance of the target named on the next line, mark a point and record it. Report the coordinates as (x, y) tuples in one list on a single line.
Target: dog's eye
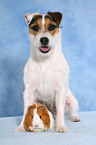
[(35, 28), (51, 27)]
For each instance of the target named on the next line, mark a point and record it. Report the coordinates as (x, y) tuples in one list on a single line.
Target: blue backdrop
[(78, 45)]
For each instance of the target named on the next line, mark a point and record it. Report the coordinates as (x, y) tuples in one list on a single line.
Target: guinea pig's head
[(38, 118)]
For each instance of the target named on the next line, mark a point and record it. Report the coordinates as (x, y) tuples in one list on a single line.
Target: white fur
[(52, 123), (43, 20), (37, 120), (46, 78)]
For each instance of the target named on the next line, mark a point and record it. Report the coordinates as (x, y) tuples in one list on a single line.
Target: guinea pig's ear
[(29, 17), (57, 16), (31, 108), (42, 108)]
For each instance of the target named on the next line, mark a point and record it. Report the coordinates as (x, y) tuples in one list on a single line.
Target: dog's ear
[(57, 16), (29, 17)]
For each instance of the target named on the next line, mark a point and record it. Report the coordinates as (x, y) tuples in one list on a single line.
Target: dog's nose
[(44, 40)]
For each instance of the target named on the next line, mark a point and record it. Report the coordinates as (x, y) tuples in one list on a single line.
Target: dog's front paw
[(61, 128), (19, 128)]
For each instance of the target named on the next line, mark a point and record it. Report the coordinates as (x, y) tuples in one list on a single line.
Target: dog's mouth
[(44, 49)]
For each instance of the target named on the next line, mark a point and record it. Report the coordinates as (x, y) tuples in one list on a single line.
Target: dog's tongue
[(44, 48)]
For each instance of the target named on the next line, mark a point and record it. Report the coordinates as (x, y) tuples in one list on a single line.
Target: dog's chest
[(47, 83)]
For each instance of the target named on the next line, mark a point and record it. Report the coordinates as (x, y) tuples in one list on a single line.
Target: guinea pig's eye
[(35, 28), (32, 117), (40, 117), (51, 27)]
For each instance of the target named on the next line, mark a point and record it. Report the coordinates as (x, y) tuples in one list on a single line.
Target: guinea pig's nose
[(36, 125)]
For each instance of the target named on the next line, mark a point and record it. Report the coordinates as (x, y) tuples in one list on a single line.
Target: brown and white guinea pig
[(38, 118)]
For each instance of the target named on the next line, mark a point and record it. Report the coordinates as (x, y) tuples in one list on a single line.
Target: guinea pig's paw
[(75, 118), (61, 128), (19, 128)]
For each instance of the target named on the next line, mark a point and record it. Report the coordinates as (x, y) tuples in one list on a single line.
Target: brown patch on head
[(44, 116), (29, 116), (52, 22), (35, 25), (56, 16), (49, 25)]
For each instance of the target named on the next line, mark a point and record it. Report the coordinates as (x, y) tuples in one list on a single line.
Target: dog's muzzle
[(44, 45)]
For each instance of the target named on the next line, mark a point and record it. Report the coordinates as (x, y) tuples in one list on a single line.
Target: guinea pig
[(38, 118)]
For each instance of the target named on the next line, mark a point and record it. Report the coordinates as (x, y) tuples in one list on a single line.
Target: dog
[(46, 72)]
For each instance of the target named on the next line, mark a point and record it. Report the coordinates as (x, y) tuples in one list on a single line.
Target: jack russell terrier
[(46, 72)]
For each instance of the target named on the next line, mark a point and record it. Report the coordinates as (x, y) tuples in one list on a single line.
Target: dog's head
[(44, 33)]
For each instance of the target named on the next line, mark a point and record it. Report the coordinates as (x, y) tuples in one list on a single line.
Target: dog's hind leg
[(72, 106)]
